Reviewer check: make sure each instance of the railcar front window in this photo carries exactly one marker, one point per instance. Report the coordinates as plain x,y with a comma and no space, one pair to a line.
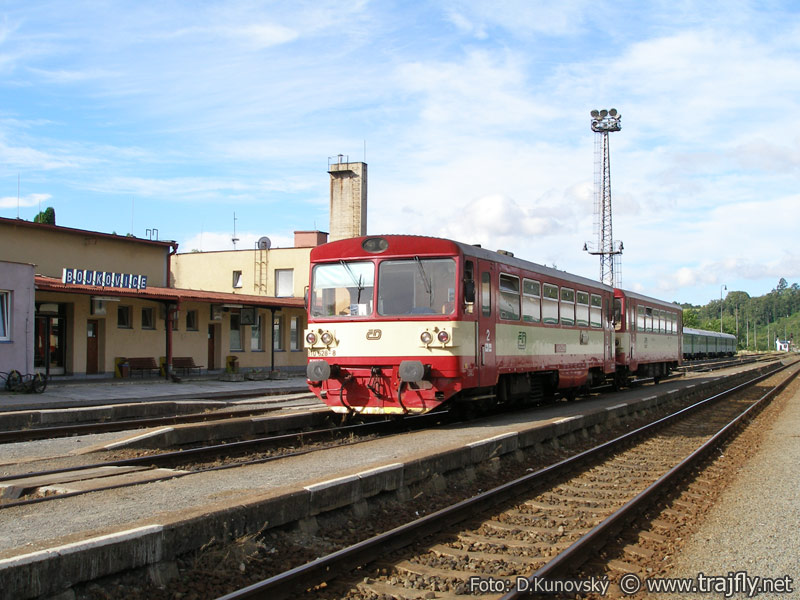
417,286
342,289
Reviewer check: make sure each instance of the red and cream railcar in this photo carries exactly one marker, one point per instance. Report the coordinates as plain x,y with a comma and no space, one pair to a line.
401,324
648,337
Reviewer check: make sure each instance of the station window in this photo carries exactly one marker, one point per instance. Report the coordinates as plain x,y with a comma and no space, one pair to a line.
5,317
531,301
550,304
124,320
284,283
582,309
237,279
295,339
148,320
567,306
236,332
191,320
596,312
277,333
256,336
508,300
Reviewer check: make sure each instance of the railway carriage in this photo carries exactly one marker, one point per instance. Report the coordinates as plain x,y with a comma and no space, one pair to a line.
648,336
402,324
699,343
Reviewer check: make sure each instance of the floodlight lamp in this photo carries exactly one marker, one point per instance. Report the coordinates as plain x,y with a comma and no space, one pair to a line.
595,113
604,113
613,112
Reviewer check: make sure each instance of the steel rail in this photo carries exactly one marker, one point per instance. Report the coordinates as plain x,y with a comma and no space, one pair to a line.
384,428
599,536
320,570
40,433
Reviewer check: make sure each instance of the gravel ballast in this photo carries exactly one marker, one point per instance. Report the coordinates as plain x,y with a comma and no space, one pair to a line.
753,527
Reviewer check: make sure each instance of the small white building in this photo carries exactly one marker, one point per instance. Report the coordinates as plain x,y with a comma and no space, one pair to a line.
781,345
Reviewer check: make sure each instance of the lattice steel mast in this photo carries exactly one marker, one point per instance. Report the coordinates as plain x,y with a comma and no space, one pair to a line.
603,123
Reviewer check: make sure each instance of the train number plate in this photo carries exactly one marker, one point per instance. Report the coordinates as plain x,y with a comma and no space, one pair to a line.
321,352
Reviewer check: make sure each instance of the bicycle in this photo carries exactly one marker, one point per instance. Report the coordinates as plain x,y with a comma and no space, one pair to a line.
28,383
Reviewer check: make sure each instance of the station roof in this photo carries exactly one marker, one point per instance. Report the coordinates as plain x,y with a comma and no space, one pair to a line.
52,284
86,233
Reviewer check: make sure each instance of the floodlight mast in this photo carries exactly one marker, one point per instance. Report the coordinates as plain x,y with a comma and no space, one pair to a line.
603,123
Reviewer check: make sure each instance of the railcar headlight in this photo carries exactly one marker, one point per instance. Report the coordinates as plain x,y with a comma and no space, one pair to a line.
327,338
311,338
426,337
443,337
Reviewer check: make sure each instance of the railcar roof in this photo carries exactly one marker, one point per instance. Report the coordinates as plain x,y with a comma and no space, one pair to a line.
716,334
664,303
411,245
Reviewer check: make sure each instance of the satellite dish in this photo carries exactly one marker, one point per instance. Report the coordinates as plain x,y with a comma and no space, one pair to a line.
264,243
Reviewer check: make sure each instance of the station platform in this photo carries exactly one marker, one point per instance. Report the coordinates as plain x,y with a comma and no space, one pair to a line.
95,392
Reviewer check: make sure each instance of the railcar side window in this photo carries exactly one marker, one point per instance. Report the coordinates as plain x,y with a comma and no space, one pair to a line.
418,286
648,319
567,306
640,325
342,289
508,299
469,287
550,304
486,294
531,294
596,316
582,309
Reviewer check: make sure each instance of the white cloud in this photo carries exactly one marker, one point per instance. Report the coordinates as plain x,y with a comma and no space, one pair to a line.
24,201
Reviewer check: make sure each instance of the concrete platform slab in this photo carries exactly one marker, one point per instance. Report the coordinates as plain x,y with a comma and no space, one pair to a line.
83,485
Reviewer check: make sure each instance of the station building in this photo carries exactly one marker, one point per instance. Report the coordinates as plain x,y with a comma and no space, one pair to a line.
74,302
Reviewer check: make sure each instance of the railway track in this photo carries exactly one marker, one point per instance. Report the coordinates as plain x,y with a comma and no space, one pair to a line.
537,529
150,468
75,429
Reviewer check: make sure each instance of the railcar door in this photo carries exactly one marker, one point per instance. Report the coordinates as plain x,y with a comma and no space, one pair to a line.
486,344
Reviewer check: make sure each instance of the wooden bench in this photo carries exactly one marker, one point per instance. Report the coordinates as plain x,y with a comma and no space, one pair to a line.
186,363
142,364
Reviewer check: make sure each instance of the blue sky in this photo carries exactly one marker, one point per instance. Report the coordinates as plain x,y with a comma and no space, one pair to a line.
473,117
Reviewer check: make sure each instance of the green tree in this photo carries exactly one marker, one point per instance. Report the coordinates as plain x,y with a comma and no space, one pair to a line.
691,318
47,216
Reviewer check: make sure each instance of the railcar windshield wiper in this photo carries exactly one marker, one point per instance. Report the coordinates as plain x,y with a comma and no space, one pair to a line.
358,281
425,281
